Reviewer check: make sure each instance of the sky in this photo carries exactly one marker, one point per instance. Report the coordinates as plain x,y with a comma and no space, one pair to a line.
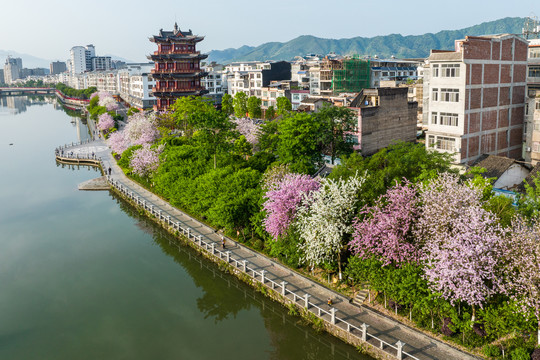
49,29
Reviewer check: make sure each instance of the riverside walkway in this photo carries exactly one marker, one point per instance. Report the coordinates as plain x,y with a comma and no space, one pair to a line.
358,325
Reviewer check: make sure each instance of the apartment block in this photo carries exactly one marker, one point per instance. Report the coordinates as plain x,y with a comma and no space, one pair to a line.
251,77
474,97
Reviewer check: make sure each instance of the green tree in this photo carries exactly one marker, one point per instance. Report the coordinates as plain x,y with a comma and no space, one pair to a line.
529,204
227,104
240,104
336,123
269,137
298,140
254,107
270,113
392,164
283,105
188,111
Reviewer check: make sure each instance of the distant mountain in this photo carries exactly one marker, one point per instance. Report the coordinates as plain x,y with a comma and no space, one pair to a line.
411,46
28,61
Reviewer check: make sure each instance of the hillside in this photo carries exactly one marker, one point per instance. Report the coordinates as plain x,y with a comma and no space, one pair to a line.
411,46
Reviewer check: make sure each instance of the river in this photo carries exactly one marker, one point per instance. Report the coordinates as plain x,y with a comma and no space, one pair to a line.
84,276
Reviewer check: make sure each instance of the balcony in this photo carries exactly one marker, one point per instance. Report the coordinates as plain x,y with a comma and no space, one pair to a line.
180,52
178,89
174,71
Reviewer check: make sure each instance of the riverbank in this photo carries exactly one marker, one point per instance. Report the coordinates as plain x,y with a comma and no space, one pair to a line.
377,335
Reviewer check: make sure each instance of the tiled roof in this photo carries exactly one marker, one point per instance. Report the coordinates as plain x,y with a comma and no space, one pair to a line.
495,165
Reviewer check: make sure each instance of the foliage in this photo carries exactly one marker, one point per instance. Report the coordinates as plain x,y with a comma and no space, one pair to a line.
463,242
270,113
393,164
385,231
283,105
227,104
254,107
282,200
326,220
190,110
529,204
298,139
336,123
132,110
269,137
240,104
75,93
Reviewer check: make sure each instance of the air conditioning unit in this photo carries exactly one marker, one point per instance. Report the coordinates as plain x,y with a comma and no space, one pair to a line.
528,149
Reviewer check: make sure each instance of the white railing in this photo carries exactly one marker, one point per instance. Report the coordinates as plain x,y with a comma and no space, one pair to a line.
209,246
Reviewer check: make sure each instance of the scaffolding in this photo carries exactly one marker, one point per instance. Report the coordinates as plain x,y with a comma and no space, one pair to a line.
351,75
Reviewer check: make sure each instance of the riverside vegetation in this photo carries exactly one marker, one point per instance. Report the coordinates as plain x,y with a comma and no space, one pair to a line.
435,247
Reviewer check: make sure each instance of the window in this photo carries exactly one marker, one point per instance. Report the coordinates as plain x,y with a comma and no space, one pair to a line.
434,118
534,71
449,119
537,106
435,95
431,140
450,70
435,70
385,73
446,143
534,53
536,146
450,95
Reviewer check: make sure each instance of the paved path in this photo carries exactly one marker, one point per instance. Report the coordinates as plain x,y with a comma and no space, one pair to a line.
417,345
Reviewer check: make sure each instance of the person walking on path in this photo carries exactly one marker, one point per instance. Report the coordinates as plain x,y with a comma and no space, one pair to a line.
109,171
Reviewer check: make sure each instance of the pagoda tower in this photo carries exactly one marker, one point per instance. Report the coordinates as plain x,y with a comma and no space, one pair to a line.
177,68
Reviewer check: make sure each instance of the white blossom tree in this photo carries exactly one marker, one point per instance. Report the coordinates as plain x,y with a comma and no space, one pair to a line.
326,220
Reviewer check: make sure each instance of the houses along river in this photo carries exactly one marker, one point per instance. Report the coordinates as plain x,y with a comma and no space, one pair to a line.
84,276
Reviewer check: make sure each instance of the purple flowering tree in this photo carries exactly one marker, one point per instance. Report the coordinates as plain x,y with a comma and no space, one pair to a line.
105,122
247,128
282,200
386,228
145,161
118,142
523,254
141,129
463,244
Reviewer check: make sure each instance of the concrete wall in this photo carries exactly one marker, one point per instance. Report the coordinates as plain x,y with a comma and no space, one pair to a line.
394,119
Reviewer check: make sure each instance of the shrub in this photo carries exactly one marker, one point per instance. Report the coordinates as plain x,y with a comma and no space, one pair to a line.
491,350
520,354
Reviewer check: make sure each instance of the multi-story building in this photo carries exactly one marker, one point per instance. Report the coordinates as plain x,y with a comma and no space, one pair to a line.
335,75
177,68
392,72
12,69
2,80
135,85
89,53
251,77
57,67
531,148
476,97
297,96
385,115
213,82
101,63
78,60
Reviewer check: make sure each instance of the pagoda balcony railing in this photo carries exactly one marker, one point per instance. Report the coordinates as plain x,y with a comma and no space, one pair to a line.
178,89
181,52
173,71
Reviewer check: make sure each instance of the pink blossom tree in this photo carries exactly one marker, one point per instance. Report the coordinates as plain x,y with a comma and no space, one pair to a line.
118,142
247,128
463,244
145,161
141,129
523,271
282,200
385,231
105,122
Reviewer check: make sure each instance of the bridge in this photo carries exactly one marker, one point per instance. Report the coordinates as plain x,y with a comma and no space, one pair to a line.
26,91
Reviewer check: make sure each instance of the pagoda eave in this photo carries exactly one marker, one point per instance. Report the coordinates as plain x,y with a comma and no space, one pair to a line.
161,57
159,39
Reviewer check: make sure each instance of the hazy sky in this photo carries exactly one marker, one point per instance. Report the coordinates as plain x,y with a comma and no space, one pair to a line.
48,29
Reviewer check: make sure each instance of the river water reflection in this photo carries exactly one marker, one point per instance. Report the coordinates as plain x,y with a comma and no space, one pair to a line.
84,276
